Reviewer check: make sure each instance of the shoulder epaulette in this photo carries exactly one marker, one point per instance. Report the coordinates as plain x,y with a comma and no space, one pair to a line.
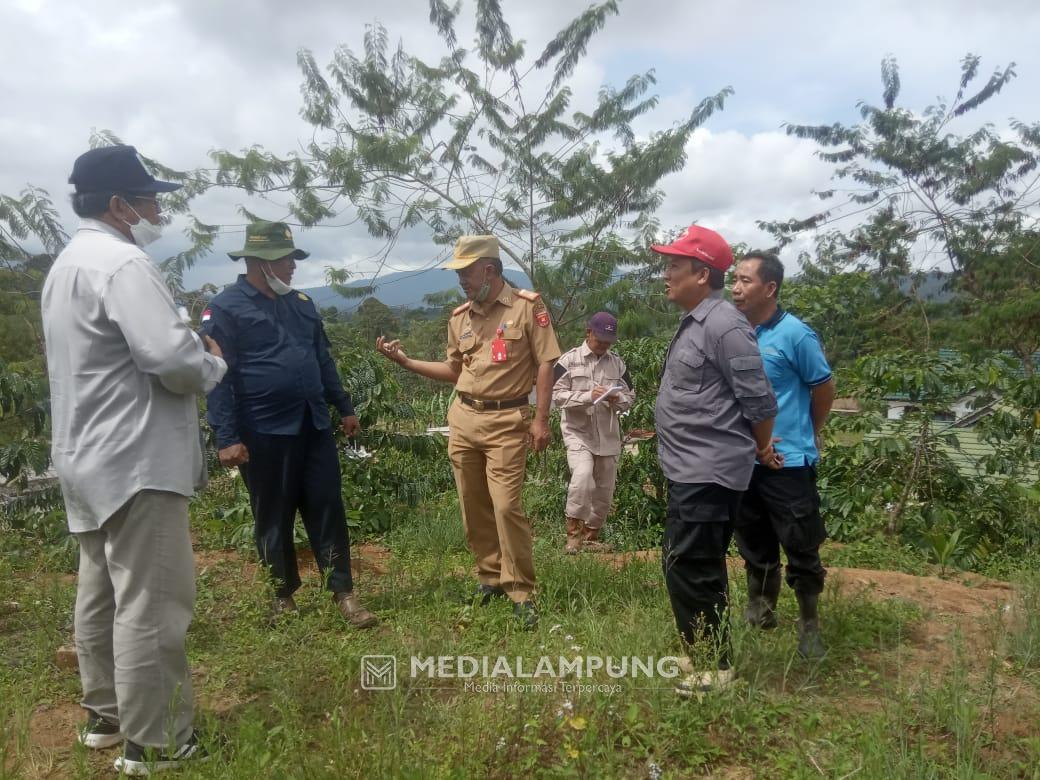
527,295
460,309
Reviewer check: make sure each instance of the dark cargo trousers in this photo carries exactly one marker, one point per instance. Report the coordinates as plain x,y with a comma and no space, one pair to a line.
697,533
781,508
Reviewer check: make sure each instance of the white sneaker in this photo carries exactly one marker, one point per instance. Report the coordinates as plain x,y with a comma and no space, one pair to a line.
702,682
99,733
139,761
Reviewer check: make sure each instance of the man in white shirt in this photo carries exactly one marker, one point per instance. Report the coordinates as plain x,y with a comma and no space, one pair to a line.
592,387
124,370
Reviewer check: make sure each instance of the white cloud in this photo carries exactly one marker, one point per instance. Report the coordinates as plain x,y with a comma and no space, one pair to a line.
732,179
179,78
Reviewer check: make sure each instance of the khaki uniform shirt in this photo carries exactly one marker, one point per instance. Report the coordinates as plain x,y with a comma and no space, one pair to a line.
529,339
585,425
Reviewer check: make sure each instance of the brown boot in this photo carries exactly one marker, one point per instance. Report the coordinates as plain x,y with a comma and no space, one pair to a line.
350,607
574,526
282,605
590,538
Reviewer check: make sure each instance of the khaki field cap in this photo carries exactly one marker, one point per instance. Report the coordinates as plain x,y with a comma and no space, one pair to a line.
469,249
269,241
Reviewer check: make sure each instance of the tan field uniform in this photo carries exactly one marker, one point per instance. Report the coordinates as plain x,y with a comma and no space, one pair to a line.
591,431
488,446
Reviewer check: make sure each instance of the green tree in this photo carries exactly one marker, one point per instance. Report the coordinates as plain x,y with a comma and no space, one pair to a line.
999,302
374,318
482,141
914,193
27,222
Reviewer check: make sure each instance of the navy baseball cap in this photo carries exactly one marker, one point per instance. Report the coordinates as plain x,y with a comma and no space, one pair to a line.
603,326
115,169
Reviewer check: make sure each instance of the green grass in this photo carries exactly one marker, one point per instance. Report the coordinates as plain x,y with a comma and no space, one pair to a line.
286,701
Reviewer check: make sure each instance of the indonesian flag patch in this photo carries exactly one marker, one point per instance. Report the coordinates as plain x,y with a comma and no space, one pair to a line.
206,315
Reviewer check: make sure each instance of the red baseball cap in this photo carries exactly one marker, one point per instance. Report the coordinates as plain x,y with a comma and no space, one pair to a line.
699,243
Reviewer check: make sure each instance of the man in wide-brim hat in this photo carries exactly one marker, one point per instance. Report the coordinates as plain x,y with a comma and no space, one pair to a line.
271,417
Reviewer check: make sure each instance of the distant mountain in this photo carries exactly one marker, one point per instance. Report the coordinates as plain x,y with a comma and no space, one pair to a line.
933,287
404,289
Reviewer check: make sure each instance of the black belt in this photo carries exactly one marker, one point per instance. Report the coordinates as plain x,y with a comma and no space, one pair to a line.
490,406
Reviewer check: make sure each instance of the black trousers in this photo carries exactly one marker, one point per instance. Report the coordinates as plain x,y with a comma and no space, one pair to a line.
782,509
289,473
697,532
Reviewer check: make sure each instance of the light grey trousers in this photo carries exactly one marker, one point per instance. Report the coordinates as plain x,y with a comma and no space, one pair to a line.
134,603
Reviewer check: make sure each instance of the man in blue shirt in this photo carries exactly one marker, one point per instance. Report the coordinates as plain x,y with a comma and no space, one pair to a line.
782,506
271,417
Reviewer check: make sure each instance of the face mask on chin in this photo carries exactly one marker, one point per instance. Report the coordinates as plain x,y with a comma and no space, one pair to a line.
144,232
484,291
276,284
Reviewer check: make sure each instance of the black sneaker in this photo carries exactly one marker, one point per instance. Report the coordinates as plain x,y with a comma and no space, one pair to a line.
526,613
138,761
99,733
482,595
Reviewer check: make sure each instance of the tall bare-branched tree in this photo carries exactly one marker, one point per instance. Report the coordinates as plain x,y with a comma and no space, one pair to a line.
488,140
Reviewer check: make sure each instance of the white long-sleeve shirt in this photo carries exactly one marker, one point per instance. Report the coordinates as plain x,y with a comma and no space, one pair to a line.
124,370
586,425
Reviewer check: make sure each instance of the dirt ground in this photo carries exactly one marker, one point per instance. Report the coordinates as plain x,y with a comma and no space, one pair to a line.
961,611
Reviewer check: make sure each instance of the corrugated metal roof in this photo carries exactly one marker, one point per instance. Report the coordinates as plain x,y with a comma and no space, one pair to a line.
967,456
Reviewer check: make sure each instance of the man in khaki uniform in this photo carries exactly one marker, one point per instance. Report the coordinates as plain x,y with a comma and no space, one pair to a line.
592,387
500,343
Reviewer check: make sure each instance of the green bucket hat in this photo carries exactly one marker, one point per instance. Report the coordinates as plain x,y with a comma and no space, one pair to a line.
269,241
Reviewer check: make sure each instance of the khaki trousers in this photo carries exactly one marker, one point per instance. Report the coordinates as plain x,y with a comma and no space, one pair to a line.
488,453
134,601
591,491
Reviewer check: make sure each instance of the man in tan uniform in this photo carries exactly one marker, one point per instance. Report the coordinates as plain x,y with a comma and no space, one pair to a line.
592,387
500,343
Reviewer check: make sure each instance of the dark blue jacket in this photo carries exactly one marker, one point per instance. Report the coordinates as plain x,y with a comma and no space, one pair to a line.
279,365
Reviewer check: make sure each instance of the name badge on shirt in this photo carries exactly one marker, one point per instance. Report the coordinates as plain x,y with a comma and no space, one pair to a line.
499,352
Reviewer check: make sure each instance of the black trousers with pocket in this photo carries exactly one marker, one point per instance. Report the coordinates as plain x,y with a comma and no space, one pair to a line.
697,533
782,509
289,473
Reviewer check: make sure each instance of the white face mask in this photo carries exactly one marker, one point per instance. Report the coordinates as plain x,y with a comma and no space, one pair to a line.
276,284
144,232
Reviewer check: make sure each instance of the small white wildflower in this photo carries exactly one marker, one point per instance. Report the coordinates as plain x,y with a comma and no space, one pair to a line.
568,706
556,628
501,743
575,647
655,771
568,638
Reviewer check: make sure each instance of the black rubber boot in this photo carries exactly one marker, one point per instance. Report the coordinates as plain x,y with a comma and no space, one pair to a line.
763,591
810,643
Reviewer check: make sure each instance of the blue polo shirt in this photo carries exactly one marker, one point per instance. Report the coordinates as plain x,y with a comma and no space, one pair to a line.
279,366
795,363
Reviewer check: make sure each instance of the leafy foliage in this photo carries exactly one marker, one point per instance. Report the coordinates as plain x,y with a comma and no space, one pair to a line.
903,476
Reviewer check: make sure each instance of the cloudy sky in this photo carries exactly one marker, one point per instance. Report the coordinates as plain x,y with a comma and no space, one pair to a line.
179,78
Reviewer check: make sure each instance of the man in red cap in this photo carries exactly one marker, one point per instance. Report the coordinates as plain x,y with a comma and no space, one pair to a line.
592,388
714,415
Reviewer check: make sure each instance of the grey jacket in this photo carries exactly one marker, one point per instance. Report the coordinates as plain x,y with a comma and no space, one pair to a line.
713,387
